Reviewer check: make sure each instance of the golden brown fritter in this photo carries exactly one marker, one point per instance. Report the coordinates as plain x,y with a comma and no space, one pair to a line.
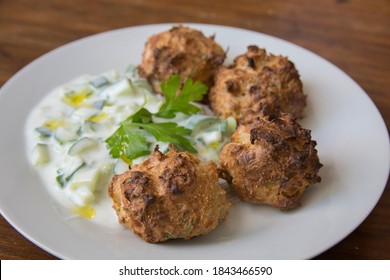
181,50
257,83
271,161
169,196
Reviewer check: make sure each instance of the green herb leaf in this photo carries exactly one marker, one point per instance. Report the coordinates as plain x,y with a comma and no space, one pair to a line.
141,116
128,142
171,133
180,102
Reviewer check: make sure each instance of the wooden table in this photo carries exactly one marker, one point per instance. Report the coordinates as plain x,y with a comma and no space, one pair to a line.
352,34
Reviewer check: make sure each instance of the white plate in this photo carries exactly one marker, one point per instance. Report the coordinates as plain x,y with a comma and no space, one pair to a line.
352,141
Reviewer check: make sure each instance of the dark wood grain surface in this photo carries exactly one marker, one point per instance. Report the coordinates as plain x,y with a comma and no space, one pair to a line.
352,34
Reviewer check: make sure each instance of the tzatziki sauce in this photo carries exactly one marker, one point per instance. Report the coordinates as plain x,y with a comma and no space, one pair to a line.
66,132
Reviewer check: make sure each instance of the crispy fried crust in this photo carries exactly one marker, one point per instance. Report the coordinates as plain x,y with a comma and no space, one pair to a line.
257,83
271,161
169,196
183,51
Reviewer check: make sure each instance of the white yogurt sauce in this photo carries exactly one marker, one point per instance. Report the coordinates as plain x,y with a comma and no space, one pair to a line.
66,133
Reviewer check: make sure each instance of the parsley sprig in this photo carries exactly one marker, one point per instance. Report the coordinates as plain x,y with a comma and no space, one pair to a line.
180,102
130,140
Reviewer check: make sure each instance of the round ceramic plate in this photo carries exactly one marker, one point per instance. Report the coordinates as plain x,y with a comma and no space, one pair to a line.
352,141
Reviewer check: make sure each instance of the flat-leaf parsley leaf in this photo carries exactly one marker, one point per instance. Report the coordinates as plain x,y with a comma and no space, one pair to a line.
180,102
130,140
171,133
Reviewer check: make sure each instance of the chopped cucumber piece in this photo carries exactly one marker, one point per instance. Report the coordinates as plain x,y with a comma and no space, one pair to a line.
142,84
131,70
223,126
99,82
201,123
67,133
121,87
231,125
87,182
81,193
90,127
196,120
119,113
40,154
112,76
82,145
85,177
99,104
152,102
44,131
210,137
65,175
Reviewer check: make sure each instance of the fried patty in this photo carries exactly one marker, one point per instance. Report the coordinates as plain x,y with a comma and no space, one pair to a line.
181,50
257,83
169,196
271,161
